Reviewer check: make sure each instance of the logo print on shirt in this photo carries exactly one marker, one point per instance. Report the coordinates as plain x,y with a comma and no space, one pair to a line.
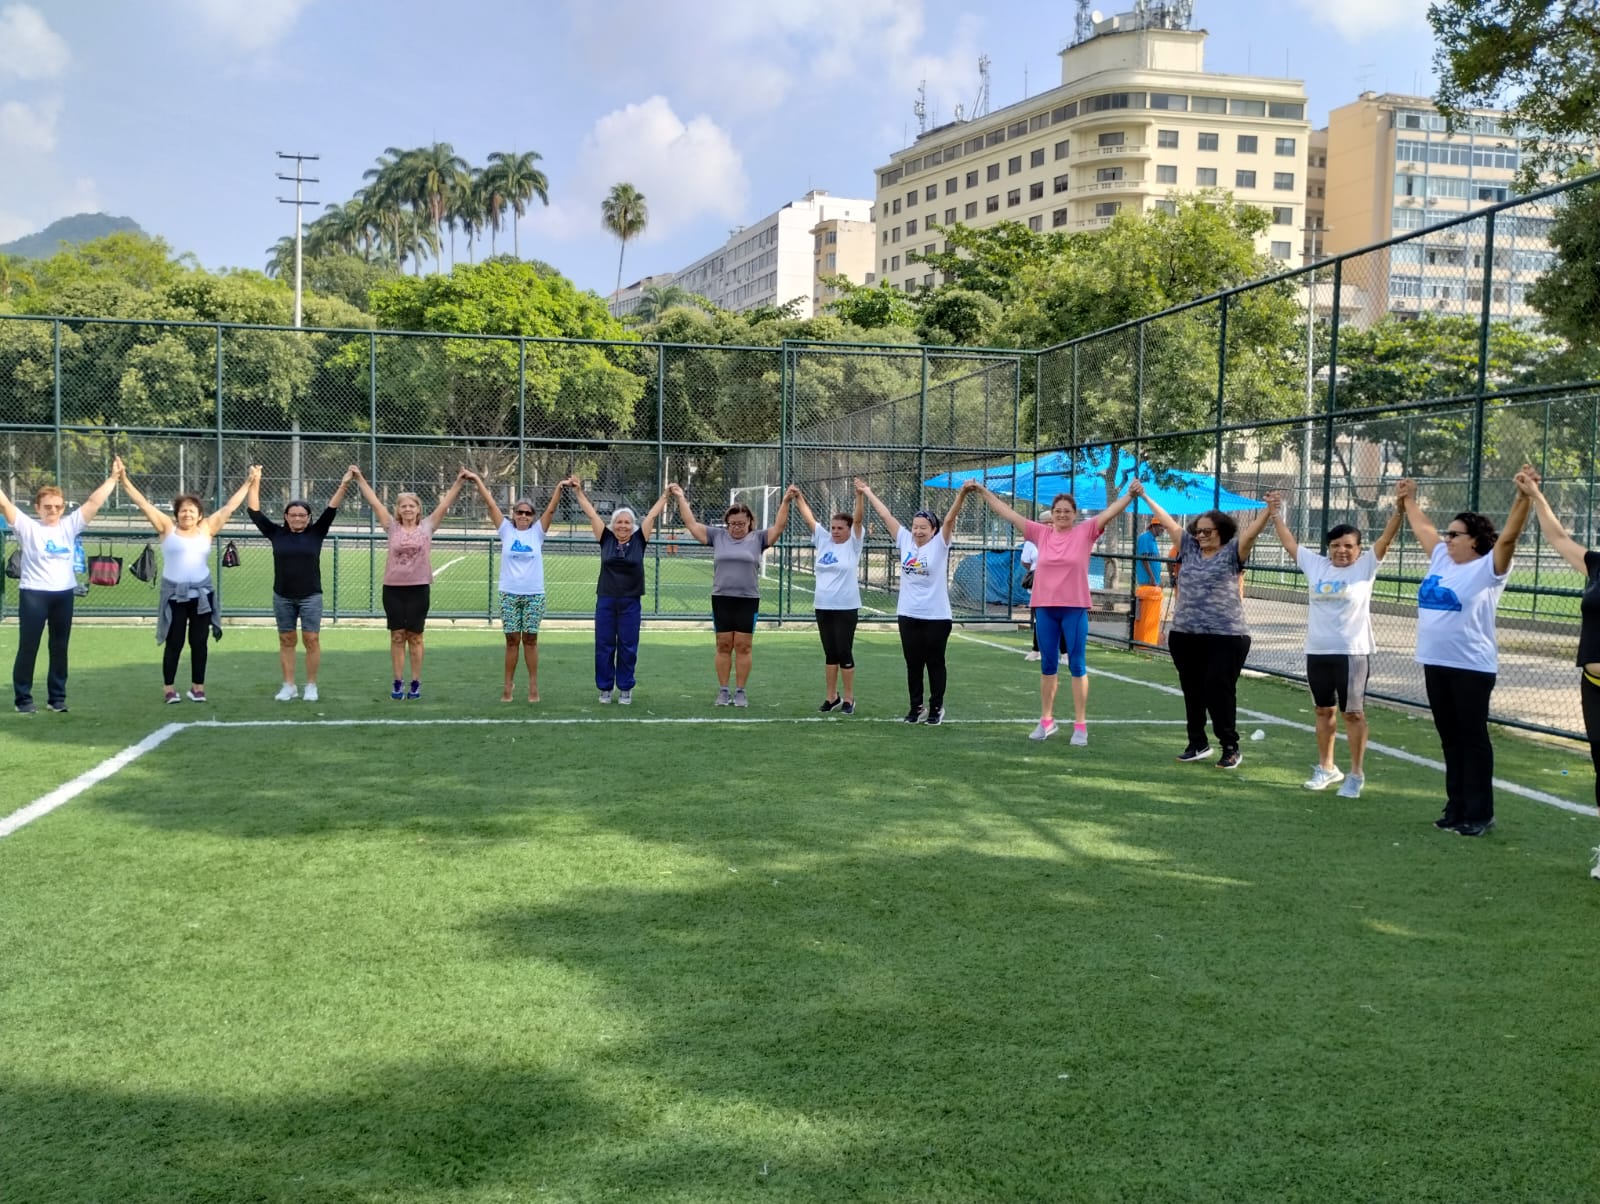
911,564
1330,591
53,548
1433,596
828,558
518,546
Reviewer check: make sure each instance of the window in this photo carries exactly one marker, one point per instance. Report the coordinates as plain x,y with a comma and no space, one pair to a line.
1036,191
1283,181
894,264
927,281
931,192
1205,177
1013,198
1063,148
1207,142
1016,129
832,236
993,173
1280,250
1169,100
885,238
1014,165
949,217
1106,175
1283,146
972,145
1065,113
911,226
1244,179
1038,121
972,179
832,260
896,204
1114,100
1167,139
1170,208
1059,184
1058,218
1036,158
1036,223
1287,112
1208,104
1167,174
885,265
929,249
929,223
951,185
1247,144
971,210
911,198
894,235
991,204
1107,208
1248,108
1114,139
994,138
1282,215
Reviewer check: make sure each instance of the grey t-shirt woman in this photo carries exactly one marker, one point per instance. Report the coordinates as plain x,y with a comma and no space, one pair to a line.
1208,591
736,563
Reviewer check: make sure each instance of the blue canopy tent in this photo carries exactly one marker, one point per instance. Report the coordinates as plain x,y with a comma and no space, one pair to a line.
1084,477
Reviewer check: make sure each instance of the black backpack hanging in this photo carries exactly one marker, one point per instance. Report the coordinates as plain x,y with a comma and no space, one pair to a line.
144,568
230,556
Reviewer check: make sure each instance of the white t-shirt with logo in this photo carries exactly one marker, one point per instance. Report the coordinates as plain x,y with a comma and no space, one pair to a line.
924,586
47,551
521,558
1339,615
1455,612
837,585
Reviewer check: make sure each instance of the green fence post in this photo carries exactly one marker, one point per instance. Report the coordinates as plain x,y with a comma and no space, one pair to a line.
1222,389
372,450
522,414
1475,479
55,376
1332,403
221,495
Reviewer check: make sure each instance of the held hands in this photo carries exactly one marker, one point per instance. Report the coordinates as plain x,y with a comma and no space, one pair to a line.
119,470
791,493
676,490
1275,504
1528,481
971,486
862,487
1405,490
354,473
254,476
1136,488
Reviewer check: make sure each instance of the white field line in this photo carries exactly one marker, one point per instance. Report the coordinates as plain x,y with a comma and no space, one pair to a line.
577,721
64,794
447,564
1399,754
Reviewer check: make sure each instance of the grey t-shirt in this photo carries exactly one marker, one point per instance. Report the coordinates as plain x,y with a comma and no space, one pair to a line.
736,563
1208,591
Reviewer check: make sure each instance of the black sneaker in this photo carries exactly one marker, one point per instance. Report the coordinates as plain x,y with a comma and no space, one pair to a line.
1230,759
1195,754
847,707
829,704
935,716
1477,828
398,692
415,692
26,708
1446,822
60,708
914,715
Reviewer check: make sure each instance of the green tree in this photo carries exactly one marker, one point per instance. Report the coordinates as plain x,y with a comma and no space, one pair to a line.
990,260
656,299
1568,295
870,308
625,214
515,178
960,317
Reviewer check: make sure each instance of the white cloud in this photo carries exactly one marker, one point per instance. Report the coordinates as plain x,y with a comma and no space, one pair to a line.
687,170
29,127
29,48
13,226
1361,20
247,26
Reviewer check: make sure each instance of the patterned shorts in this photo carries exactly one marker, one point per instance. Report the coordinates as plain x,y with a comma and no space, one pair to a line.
521,613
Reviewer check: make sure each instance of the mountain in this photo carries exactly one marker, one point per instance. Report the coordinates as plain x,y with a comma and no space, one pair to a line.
79,228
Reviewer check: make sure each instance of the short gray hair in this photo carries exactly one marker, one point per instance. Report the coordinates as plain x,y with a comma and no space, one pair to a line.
620,510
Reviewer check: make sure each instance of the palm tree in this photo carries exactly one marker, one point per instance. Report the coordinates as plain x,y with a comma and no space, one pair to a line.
656,299
624,213
280,257
518,181
493,200
466,211
433,174
385,195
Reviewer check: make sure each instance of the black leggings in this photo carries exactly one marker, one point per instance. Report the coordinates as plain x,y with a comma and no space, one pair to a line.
923,642
1208,670
187,624
1459,699
838,631
1589,693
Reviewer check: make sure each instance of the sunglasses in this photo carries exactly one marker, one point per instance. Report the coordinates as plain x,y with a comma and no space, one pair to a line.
1454,534
523,513
1205,530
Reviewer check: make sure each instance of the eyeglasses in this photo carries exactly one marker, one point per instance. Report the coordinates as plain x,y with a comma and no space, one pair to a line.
523,513
1205,530
1454,534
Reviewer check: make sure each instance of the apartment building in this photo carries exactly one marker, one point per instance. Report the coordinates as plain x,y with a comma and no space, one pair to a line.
626,299
841,247
1135,119
1393,167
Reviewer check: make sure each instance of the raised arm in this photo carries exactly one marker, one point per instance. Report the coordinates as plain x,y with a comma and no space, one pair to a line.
496,515
337,499
379,510
587,506
647,525
252,496
1103,519
858,520
780,520
91,507
1427,534
448,500
1173,527
1506,546
549,515
1003,510
218,519
806,516
1391,528
948,527
889,520
1252,532
691,524
161,522
1549,525
1285,536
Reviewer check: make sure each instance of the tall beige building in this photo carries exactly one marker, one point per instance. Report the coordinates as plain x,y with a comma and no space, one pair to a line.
1394,168
1136,119
840,247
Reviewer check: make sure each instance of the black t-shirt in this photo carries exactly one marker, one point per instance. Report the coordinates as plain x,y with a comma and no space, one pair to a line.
296,556
621,566
1589,610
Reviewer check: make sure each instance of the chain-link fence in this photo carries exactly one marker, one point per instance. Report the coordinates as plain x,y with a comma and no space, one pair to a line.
1434,355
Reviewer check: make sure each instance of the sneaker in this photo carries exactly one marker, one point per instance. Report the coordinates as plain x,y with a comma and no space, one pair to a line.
1594,871
914,715
1080,735
625,698
311,692
196,694
1446,822
935,716
169,695
26,708
1475,828
415,693
398,691
1195,754
1230,759
1043,730
1032,656
724,699
847,707
287,692
60,708
605,697
1352,786
828,704
739,700
1321,778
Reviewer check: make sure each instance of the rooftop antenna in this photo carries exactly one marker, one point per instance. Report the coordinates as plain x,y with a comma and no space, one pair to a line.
1083,23
980,107
920,108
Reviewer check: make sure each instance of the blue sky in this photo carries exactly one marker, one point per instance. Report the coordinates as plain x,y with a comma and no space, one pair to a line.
171,111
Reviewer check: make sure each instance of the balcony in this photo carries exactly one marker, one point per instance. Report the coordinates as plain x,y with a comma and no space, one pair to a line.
1125,185
1092,223
1128,150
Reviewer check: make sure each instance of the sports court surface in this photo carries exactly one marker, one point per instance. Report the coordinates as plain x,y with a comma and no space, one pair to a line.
461,950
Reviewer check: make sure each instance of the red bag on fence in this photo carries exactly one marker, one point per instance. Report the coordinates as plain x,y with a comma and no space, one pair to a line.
105,570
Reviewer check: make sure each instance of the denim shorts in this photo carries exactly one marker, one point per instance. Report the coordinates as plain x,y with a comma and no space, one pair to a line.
306,611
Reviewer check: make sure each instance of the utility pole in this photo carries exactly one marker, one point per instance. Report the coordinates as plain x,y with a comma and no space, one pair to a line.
300,180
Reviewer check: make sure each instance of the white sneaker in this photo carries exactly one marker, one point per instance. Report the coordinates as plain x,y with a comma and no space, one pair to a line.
1352,786
1321,778
1043,731
287,692
1032,656
605,696
1080,736
311,692
1595,872
625,698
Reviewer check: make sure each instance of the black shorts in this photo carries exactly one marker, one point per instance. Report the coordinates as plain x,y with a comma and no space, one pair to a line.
1338,681
838,631
406,606
734,614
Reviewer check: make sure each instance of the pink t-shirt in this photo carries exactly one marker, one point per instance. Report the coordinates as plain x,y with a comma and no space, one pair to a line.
1061,574
410,554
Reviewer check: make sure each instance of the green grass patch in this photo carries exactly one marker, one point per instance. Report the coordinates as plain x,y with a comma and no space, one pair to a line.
712,960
